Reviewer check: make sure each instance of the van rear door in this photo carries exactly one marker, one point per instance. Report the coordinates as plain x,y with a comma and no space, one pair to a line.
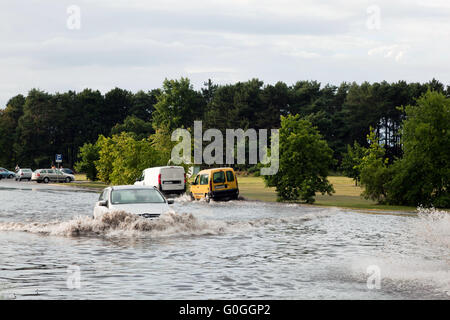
218,180
172,179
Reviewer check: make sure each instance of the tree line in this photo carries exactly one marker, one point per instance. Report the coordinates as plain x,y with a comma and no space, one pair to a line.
36,127
376,133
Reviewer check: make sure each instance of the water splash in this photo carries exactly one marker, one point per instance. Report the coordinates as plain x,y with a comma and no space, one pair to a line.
433,227
124,224
422,264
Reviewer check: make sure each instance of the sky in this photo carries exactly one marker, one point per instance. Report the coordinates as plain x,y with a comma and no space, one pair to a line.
59,45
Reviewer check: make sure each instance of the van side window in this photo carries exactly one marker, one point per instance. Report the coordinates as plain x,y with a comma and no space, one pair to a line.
219,177
196,179
204,179
230,176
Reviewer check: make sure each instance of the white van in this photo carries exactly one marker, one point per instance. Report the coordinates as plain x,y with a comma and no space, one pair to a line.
169,179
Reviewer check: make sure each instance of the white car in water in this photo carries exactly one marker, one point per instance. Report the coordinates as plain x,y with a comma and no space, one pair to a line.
144,201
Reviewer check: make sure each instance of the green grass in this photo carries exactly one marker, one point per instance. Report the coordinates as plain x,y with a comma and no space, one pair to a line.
347,194
253,188
82,182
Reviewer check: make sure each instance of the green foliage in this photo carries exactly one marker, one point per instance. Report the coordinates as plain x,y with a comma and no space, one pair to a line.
374,171
351,161
135,126
178,105
37,131
9,118
122,158
104,164
89,153
422,176
305,159
36,127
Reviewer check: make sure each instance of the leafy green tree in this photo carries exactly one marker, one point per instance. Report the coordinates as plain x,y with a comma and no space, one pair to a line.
37,130
178,105
122,158
9,118
89,153
135,126
351,161
209,90
86,117
219,113
104,164
422,176
374,170
305,159
143,104
131,157
118,103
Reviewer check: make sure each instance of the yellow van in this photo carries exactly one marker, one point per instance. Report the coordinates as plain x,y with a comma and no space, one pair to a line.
218,183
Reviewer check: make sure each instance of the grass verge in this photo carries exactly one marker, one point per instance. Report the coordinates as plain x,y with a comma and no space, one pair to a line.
347,194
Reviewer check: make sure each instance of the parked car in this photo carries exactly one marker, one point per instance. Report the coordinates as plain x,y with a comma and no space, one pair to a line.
219,183
144,201
66,170
6,174
168,179
51,175
24,174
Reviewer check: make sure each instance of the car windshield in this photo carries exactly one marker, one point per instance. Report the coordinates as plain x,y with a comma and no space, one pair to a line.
127,196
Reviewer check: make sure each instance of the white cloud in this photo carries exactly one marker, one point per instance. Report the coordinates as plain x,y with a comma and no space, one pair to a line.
395,52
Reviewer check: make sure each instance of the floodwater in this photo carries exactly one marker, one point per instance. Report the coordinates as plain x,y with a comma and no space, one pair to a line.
51,248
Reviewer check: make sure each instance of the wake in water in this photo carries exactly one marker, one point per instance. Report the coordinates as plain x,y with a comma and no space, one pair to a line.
120,223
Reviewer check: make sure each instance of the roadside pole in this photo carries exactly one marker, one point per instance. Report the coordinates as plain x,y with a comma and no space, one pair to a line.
58,159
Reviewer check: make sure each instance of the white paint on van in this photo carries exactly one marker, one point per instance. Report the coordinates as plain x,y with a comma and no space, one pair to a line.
172,178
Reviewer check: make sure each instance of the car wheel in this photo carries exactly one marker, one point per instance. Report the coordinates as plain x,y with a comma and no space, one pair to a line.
10,176
208,198
46,180
68,180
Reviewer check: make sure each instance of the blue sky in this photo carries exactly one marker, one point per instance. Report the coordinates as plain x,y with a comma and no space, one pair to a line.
137,44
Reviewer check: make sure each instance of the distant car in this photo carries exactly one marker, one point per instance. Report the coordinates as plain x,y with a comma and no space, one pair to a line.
5,173
51,175
24,174
144,201
68,171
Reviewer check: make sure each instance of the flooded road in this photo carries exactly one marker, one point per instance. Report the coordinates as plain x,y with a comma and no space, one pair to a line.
51,248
